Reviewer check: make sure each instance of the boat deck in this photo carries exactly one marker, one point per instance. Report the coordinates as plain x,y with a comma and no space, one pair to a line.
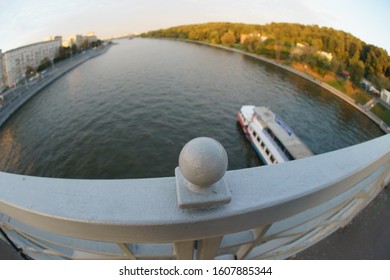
285,134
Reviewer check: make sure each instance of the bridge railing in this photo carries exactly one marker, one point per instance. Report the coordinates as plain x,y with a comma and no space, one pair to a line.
270,212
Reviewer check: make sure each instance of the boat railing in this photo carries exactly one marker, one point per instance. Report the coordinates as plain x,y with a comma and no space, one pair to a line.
270,212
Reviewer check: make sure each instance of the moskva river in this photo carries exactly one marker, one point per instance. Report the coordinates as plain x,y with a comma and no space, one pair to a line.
128,113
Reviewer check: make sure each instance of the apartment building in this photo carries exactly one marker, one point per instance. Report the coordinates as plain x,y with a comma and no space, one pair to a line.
74,39
15,62
79,39
385,96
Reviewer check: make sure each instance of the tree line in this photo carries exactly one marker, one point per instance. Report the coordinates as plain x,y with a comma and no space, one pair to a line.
281,40
62,53
67,52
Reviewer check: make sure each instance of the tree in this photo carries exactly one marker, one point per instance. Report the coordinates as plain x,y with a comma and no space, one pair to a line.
228,38
84,44
30,71
45,63
278,49
60,55
193,35
214,37
381,82
317,43
344,46
356,71
95,44
74,49
322,64
352,49
337,67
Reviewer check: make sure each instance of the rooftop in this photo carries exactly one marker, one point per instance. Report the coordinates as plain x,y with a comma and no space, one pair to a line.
33,44
285,134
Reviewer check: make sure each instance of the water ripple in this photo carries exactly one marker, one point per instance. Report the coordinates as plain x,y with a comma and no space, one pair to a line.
128,113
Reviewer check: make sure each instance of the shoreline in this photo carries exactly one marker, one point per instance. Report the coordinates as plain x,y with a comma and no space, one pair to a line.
381,124
19,96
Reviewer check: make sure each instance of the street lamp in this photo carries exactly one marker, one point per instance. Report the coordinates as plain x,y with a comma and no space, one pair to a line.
25,80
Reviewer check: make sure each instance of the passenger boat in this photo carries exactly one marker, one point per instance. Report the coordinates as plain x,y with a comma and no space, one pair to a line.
272,139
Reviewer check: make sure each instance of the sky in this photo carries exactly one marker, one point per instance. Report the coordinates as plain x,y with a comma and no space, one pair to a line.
24,22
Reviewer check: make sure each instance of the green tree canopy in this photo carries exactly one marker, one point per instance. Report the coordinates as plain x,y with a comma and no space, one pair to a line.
228,38
279,40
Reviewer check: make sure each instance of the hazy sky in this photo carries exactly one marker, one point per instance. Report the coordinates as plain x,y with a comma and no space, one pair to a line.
28,21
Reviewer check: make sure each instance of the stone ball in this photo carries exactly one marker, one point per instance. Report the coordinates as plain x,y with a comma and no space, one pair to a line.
203,161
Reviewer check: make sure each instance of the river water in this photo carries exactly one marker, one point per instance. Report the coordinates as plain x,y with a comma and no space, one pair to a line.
128,113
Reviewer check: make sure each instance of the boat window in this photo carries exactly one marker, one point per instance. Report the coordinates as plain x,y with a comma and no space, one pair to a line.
272,159
262,144
254,133
258,139
267,151
281,146
270,132
289,156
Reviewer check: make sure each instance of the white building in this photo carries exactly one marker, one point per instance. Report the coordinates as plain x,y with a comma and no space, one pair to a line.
326,55
74,39
299,49
385,96
254,36
16,61
79,39
91,37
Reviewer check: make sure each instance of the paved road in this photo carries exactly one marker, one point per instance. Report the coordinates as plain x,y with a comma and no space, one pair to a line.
14,98
7,252
370,104
367,237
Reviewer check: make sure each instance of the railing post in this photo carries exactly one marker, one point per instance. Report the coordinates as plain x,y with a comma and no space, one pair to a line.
184,250
199,178
208,248
259,234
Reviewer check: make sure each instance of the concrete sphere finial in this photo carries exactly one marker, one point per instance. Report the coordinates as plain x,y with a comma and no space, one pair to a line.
203,161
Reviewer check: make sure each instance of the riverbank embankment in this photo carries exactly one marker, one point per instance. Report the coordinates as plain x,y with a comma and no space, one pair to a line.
15,98
363,109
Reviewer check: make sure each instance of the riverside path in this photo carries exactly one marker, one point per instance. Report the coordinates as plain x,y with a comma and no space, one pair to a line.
15,97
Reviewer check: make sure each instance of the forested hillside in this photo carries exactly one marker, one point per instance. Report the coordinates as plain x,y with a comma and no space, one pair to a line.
295,42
